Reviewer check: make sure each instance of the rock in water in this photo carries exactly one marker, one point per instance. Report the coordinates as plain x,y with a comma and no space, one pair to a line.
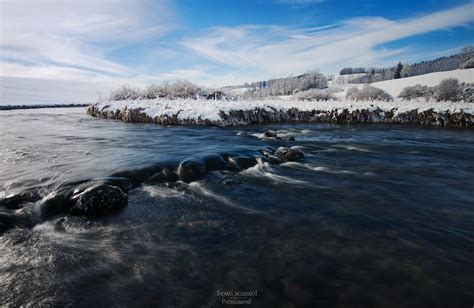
165,176
214,163
98,199
17,201
289,154
293,155
190,171
242,162
270,134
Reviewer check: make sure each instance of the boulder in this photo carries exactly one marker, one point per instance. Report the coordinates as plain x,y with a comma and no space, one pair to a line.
214,163
165,176
294,155
190,171
17,201
98,199
289,154
270,134
242,162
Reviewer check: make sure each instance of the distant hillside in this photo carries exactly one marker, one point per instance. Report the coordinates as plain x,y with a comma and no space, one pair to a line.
395,86
280,86
464,59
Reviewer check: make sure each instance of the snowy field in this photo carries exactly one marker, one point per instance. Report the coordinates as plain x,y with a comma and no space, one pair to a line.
395,86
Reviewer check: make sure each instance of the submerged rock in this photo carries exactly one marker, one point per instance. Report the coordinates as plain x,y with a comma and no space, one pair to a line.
190,171
98,199
289,154
242,162
16,201
270,134
137,176
214,163
165,176
294,155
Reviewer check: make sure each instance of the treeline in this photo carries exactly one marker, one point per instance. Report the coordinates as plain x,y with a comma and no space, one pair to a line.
185,89
170,90
286,86
463,60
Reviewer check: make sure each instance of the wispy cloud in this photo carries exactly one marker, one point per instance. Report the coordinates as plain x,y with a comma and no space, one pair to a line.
75,35
276,51
59,50
100,44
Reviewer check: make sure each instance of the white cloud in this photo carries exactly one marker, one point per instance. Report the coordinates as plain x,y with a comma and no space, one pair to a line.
276,51
70,41
76,34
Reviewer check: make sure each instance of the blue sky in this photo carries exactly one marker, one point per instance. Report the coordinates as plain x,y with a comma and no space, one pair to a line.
65,50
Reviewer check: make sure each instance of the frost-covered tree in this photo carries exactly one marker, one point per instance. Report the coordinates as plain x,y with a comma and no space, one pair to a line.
448,90
125,92
405,71
317,95
416,91
287,86
467,56
368,93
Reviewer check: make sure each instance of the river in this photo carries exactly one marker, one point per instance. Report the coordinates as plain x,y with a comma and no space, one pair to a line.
373,216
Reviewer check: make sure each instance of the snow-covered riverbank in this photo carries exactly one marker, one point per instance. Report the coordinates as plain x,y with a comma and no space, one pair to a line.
228,113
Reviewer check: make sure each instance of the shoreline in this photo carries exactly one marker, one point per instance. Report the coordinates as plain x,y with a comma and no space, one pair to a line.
17,107
238,113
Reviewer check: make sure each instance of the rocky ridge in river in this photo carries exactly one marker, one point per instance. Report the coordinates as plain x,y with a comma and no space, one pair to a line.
98,197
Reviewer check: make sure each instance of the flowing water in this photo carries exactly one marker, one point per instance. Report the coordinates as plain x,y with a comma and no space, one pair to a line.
373,216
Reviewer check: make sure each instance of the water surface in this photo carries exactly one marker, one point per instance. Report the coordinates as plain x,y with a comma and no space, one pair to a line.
373,216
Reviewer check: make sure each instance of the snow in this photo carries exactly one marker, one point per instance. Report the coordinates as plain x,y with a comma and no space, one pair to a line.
239,91
395,86
186,109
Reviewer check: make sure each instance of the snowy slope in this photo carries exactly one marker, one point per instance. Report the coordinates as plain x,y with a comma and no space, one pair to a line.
395,86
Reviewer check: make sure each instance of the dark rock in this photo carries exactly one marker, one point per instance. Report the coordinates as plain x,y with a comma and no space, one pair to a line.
98,199
16,202
59,201
6,222
190,171
289,154
214,163
123,183
294,155
290,138
165,176
270,134
12,220
276,160
242,162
